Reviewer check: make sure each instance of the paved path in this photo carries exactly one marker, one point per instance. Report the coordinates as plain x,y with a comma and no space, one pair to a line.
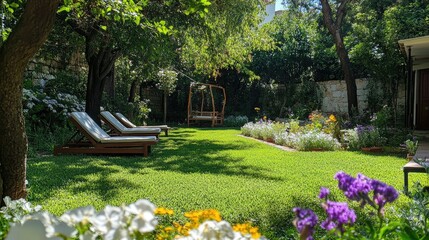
423,149
422,154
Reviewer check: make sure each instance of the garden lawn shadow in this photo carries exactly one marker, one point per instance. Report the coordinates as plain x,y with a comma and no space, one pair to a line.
211,168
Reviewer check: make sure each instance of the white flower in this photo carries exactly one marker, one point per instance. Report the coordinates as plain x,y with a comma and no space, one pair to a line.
108,220
212,230
78,215
31,229
144,218
118,234
88,236
53,225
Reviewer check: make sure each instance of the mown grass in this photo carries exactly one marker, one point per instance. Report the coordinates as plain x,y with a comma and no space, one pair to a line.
208,168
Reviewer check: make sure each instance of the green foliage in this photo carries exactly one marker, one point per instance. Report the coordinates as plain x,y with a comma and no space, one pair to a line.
230,34
142,110
167,80
235,121
411,146
42,140
9,12
415,216
383,118
67,81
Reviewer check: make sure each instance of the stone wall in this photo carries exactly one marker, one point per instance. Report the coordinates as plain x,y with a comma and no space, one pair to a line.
40,70
334,94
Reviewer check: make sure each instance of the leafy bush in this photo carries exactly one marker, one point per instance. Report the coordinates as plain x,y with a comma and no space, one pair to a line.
383,118
41,110
235,121
411,146
416,213
369,136
351,139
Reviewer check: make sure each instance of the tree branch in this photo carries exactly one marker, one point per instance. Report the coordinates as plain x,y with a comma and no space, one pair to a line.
327,16
341,12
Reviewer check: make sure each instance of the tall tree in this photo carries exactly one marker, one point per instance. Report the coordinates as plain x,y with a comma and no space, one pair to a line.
21,45
106,27
334,27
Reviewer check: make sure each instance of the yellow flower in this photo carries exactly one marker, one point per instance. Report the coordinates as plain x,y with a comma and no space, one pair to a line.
254,231
246,228
168,229
257,109
265,118
332,118
203,215
164,211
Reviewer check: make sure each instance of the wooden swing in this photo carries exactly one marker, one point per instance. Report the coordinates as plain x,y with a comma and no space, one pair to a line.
216,117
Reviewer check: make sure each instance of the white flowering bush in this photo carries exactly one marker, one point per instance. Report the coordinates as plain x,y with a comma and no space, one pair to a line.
263,129
291,135
139,220
167,80
317,140
43,110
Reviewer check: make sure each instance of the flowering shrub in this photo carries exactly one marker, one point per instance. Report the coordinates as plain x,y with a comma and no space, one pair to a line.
341,218
308,141
263,129
317,135
369,136
43,110
167,80
319,122
235,121
139,220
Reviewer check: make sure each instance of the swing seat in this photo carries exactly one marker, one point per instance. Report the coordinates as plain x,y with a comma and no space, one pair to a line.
215,117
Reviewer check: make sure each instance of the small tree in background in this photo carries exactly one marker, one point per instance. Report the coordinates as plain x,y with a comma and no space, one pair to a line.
167,81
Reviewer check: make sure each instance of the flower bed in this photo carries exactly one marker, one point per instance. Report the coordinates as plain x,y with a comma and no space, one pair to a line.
317,135
139,220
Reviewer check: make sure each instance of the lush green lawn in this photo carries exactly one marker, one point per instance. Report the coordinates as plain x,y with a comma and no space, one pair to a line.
208,168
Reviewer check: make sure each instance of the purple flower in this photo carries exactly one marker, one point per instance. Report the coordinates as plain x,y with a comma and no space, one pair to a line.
339,215
383,193
324,192
305,221
355,189
360,129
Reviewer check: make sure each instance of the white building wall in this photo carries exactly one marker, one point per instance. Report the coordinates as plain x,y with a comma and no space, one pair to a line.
334,93
270,9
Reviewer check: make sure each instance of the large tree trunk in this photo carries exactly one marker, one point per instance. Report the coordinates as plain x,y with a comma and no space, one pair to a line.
334,29
348,73
23,43
133,90
101,65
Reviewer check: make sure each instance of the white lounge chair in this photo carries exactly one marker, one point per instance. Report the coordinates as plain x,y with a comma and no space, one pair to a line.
129,124
120,129
99,142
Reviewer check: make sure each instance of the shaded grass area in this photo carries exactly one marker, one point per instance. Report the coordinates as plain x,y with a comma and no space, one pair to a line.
208,168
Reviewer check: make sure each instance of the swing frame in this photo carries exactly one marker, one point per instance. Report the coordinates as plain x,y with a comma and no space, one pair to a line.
214,116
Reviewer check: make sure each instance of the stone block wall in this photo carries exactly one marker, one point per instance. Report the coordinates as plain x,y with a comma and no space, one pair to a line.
40,70
334,94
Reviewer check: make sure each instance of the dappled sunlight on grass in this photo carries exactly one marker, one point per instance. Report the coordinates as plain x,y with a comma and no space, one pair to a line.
208,168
